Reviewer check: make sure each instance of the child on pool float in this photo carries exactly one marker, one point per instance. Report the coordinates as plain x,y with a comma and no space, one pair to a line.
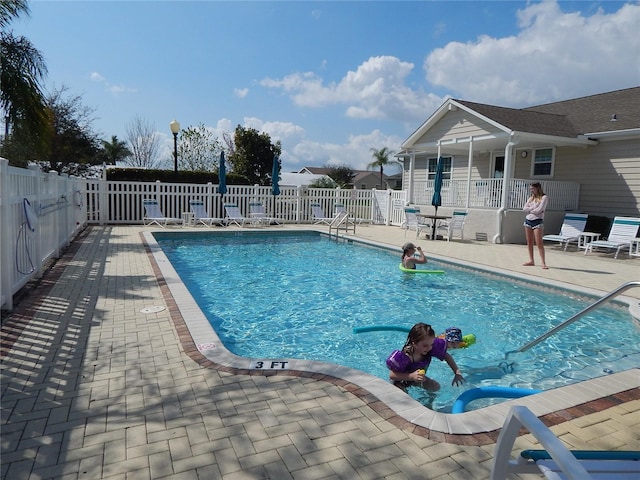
408,366
455,339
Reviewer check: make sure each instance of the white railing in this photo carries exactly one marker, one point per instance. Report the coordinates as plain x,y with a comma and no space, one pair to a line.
39,215
563,196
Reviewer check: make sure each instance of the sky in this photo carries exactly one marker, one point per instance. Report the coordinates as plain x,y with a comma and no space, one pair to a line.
330,80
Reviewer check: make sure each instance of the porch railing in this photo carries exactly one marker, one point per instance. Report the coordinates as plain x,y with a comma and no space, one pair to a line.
487,193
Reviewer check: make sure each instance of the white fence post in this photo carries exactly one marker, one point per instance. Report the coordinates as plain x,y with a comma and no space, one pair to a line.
6,218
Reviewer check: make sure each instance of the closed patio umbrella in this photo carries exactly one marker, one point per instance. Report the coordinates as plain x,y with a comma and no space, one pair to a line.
436,200
275,176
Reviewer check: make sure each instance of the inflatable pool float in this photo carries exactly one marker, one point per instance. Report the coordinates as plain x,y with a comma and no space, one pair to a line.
415,270
489,392
468,339
381,328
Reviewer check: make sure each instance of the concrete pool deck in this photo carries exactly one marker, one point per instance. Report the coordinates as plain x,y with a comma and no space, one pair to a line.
99,383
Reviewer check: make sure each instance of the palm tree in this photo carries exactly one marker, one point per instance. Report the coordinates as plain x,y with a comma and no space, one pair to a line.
382,159
114,151
22,69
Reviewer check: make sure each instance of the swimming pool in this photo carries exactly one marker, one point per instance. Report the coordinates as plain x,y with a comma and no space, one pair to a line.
270,294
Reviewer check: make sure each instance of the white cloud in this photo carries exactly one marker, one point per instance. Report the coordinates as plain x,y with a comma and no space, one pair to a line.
375,90
240,92
115,89
555,56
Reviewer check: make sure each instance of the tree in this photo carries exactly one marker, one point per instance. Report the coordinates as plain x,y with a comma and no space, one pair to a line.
114,151
253,157
198,149
381,159
67,140
342,175
143,142
323,182
22,69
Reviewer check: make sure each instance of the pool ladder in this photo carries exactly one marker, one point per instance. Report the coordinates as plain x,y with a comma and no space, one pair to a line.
341,219
596,304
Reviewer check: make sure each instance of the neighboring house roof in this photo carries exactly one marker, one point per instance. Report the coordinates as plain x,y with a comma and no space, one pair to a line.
359,175
291,179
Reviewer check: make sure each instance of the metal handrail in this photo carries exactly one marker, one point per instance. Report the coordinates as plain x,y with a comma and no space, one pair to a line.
578,315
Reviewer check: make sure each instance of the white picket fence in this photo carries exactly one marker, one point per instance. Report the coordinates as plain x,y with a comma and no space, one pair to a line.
40,213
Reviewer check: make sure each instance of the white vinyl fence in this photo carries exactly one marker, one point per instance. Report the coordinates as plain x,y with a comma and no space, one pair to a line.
40,213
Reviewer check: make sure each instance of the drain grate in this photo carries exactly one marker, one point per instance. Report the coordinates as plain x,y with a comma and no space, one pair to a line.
154,309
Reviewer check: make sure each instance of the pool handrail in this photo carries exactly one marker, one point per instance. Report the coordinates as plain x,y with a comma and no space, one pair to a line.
557,328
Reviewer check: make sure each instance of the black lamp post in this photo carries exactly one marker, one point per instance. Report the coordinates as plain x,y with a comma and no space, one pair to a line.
175,128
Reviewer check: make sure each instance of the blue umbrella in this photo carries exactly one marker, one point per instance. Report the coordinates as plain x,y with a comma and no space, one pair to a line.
275,177
222,175
436,200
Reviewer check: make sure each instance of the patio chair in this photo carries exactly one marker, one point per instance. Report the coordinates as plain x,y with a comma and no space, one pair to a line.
349,218
456,223
259,215
153,214
233,215
623,232
413,222
572,226
319,218
200,214
556,461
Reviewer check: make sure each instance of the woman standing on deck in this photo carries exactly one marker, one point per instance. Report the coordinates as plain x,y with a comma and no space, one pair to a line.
534,222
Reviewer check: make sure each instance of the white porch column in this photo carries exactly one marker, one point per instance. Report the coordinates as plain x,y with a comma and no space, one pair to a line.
412,168
466,206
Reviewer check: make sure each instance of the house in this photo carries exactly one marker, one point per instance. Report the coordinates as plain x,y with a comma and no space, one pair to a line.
299,179
585,152
363,179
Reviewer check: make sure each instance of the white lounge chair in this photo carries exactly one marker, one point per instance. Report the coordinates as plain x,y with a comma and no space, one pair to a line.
456,223
556,461
623,231
153,214
259,215
200,214
233,215
319,218
348,217
572,226
413,222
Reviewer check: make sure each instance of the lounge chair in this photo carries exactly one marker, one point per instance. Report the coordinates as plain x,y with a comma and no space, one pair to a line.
623,231
413,222
319,218
572,226
456,223
348,217
233,215
200,214
153,214
259,215
556,461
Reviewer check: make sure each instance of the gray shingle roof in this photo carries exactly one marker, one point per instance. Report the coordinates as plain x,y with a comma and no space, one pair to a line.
570,118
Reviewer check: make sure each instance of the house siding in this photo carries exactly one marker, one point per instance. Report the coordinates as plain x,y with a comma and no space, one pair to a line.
458,124
608,174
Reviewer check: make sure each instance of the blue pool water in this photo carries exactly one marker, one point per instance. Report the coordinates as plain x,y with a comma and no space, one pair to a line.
299,295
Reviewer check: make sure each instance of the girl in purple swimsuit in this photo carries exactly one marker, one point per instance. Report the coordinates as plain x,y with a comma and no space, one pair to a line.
408,366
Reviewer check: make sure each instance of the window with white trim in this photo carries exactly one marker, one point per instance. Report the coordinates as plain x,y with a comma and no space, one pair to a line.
542,162
432,165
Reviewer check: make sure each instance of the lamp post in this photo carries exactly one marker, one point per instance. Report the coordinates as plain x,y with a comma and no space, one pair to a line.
175,128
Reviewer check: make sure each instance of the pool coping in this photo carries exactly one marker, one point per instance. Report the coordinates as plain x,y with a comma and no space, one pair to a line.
476,427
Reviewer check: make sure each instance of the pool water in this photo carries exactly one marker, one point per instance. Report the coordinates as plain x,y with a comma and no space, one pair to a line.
299,295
